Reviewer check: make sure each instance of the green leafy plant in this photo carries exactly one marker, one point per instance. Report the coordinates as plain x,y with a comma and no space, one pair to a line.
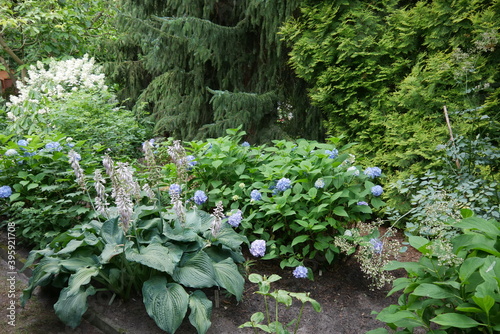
169,254
456,294
280,297
45,199
296,195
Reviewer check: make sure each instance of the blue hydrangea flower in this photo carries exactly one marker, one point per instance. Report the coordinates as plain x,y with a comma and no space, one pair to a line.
283,184
22,143
362,203
53,146
377,244
320,183
377,190
200,197
10,152
245,144
235,219
255,195
332,154
191,161
174,189
373,172
300,272
258,248
5,191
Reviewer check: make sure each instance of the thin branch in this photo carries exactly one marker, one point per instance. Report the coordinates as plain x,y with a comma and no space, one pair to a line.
451,132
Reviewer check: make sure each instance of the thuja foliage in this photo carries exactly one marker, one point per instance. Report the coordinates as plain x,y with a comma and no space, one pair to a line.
201,67
383,71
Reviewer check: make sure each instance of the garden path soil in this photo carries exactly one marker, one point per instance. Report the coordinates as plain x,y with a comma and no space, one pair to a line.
341,290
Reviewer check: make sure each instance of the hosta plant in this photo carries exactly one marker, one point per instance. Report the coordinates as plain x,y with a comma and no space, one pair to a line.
170,254
457,292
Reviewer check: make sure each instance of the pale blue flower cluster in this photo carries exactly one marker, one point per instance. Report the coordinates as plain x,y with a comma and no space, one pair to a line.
53,146
320,183
200,197
332,154
10,152
5,191
300,272
377,190
377,245
191,161
373,172
245,144
22,143
235,219
174,190
362,203
283,184
258,248
255,195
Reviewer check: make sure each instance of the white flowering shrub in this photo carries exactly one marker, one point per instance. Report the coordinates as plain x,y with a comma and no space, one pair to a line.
71,97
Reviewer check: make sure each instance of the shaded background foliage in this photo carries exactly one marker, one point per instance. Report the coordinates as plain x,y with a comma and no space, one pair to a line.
201,67
382,72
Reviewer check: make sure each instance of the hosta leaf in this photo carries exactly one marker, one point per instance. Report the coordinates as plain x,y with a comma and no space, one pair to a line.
228,237
228,277
112,232
196,272
109,251
166,303
81,277
42,274
71,308
201,311
156,256
75,263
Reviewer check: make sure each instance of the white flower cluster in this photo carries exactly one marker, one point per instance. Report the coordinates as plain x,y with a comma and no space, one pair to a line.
60,79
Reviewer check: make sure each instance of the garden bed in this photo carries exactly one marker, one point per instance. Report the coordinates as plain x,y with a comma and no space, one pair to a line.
341,290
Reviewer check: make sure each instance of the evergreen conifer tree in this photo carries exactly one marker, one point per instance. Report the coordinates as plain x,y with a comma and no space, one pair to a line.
198,68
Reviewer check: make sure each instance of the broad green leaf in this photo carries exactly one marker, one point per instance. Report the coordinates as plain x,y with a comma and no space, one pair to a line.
419,243
109,251
340,211
156,256
80,278
166,303
71,308
216,163
112,232
71,246
299,239
312,192
476,223
228,277
468,267
304,298
282,296
455,320
484,302
201,311
41,275
197,272
255,278
73,264
432,291
227,236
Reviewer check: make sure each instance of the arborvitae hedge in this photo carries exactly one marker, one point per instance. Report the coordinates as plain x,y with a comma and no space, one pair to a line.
382,71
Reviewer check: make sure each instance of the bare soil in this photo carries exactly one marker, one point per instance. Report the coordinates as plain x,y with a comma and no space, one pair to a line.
341,289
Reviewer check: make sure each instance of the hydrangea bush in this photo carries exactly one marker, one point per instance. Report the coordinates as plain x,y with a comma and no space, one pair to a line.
36,180
294,195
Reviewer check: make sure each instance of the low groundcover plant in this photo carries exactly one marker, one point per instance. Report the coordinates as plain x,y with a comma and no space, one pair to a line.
461,295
